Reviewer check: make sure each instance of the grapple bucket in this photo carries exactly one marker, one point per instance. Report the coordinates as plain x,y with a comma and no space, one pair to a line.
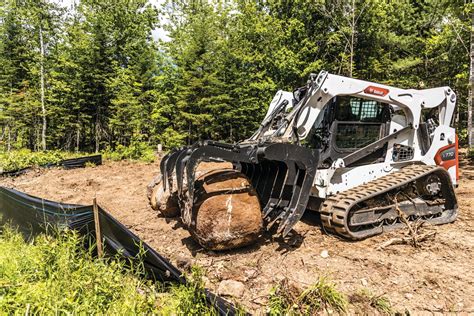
281,173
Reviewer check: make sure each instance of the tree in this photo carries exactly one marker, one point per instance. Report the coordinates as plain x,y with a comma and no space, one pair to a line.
471,88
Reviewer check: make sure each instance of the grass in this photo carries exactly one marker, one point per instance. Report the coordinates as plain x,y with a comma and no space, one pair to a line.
365,298
58,276
321,296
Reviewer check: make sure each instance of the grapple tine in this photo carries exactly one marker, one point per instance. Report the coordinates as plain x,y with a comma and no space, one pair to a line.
251,172
276,190
180,163
263,179
295,196
301,165
299,200
164,175
167,165
269,208
287,189
267,185
274,220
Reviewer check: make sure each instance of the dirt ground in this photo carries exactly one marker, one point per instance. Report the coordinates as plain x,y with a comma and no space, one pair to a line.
436,278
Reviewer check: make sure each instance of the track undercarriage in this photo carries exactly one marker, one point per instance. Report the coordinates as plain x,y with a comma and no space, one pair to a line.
416,192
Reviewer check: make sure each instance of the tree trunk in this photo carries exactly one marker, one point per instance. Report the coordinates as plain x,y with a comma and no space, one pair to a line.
78,137
352,38
97,139
9,139
470,101
43,109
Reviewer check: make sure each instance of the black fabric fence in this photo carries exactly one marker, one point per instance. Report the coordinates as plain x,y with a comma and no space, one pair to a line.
33,216
66,163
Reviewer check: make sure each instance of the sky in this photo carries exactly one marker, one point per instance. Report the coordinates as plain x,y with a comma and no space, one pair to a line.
157,33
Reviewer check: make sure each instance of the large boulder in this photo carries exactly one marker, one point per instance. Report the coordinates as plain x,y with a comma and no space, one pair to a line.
226,212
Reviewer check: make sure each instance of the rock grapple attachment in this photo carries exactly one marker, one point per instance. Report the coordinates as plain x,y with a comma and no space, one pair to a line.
282,175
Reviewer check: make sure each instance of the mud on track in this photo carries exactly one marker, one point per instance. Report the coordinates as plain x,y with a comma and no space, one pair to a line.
436,278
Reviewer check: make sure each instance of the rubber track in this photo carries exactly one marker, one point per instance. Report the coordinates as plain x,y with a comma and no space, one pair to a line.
335,209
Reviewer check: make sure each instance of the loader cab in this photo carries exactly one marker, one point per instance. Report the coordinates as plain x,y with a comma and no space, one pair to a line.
347,124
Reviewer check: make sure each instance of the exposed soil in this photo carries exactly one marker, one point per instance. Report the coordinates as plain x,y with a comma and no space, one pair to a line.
437,277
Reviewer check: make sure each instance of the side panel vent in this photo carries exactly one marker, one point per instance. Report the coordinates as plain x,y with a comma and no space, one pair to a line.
402,152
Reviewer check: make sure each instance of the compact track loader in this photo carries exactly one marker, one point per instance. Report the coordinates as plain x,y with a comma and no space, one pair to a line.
361,154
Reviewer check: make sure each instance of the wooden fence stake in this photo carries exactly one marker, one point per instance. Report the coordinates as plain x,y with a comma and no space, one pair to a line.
98,235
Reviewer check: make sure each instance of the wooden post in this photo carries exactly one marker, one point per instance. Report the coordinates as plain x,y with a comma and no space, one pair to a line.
98,235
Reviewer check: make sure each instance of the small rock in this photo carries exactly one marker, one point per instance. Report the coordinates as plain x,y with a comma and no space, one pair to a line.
408,296
364,281
438,307
250,274
183,263
231,288
324,253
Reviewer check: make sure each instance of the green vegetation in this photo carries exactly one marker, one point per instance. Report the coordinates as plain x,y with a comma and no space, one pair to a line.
364,298
108,83
23,158
320,296
18,159
136,151
382,304
57,275
52,275
470,154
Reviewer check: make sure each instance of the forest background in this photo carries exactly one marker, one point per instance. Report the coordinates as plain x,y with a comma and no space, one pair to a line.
89,76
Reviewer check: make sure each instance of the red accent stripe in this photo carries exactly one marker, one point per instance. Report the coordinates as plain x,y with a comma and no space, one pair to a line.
449,163
376,91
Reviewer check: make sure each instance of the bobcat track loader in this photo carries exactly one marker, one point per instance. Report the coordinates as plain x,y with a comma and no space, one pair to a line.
361,154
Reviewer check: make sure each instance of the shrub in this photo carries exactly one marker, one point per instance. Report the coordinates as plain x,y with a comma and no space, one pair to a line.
364,299
136,151
24,158
322,295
